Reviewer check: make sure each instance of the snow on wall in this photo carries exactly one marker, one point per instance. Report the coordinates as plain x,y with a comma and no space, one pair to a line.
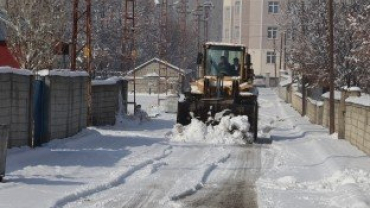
363,100
337,95
5,70
62,72
109,81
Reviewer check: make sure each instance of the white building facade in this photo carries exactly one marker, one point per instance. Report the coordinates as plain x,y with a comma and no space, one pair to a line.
254,23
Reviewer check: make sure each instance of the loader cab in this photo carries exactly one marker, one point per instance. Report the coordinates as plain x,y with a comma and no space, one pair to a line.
225,60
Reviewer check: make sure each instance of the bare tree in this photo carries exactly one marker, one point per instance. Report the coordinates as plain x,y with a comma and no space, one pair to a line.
34,29
306,24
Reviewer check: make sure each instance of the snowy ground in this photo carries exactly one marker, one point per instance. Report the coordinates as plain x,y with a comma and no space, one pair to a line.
138,165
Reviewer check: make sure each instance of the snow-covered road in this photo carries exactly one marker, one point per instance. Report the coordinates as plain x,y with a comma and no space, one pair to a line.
137,165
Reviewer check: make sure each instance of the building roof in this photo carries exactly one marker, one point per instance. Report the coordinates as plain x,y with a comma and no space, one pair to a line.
6,58
157,60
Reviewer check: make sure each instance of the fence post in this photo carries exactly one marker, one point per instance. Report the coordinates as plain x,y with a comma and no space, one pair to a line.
304,96
341,115
4,136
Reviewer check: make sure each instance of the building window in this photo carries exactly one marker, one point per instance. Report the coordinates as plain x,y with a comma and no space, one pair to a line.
237,32
237,8
271,57
227,12
273,7
272,32
226,35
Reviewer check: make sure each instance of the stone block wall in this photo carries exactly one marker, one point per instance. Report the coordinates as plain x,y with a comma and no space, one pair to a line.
315,111
105,103
326,114
357,126
15,107
283,93
297,102
67,105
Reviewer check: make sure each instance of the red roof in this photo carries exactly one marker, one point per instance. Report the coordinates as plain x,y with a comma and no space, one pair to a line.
6,58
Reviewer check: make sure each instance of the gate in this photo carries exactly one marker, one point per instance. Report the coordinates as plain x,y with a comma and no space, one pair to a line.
39,113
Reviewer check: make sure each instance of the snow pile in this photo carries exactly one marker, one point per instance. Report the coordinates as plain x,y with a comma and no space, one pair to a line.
230,130
332,183
154,111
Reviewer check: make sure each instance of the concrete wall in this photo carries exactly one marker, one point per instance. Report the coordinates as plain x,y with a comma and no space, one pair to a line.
105,99
15,107
357,126
67,105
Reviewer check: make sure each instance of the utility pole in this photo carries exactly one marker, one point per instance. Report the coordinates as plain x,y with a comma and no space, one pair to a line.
128,39
182,41
281,50
285,57
275,57
85,47
84,33
163,8
331,63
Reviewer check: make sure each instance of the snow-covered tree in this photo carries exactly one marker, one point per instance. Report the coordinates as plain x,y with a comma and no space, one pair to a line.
306,25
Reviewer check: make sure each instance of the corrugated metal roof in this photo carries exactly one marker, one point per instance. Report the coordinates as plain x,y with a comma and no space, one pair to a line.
6,58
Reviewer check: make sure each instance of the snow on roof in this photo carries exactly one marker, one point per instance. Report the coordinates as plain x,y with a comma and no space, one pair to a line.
110,81
7,69
225,44
363,100
337,95
159,61
62,72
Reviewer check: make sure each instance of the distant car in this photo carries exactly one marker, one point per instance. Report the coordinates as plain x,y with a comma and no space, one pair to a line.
259,81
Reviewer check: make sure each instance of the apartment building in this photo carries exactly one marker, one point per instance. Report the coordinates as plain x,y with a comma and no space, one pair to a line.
254,24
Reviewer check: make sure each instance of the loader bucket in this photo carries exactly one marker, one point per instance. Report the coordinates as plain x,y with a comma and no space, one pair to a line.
201,109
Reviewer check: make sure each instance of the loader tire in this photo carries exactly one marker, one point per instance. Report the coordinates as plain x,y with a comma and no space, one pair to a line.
183,113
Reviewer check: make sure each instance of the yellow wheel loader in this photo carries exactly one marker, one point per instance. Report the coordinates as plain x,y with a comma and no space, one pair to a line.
224,87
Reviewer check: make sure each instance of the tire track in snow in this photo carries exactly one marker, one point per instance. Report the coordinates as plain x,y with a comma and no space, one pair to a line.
203,180
119,180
